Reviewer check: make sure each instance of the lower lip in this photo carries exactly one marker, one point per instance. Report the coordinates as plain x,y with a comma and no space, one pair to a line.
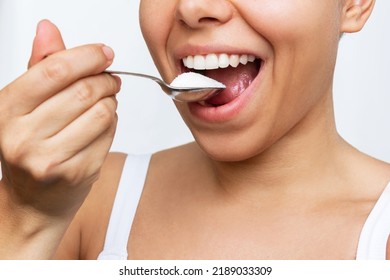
228,111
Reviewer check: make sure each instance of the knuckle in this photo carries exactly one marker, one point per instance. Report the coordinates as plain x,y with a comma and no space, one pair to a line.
7,109
42,167
57,70
30,159
37,169
42,170
12,154
80,176
84,92
111,131
95,52
13,150
103,112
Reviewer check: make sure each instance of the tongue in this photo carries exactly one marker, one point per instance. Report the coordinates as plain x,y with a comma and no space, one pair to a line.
236,80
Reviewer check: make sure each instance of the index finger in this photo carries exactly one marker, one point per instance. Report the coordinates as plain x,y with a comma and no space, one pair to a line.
52,75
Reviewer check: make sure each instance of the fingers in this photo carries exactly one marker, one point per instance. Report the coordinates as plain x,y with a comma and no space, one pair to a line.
85,129
71,103
57,122
87,162
47,41
42,159
52,75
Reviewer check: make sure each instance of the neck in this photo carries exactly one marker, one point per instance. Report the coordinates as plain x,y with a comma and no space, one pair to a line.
308,152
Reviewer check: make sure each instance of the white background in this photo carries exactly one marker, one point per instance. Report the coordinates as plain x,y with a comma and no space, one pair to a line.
148,119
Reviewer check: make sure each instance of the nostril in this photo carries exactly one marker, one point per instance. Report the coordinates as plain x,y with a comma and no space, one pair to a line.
208,20
204,21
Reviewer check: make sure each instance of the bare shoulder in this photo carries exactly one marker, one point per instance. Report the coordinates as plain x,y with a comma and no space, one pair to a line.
178,163
375,175
378,172
370,174
84,238
384,168
185,154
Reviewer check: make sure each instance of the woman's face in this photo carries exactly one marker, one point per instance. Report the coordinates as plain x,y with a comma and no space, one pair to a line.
294,43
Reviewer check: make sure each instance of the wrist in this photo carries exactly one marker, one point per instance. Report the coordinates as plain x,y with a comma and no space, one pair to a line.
26,233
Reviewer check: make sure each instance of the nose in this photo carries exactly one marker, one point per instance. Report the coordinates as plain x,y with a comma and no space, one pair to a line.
200,13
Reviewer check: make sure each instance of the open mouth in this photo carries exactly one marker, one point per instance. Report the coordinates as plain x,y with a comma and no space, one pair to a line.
235,71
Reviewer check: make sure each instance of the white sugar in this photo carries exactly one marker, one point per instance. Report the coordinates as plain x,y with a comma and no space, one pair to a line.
192,79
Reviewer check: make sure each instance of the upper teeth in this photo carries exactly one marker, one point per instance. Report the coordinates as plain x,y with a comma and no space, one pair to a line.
215,61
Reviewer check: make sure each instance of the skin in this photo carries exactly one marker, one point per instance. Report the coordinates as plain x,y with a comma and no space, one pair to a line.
46,171
292,189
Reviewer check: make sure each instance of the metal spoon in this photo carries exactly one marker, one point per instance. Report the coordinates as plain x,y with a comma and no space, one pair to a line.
185,94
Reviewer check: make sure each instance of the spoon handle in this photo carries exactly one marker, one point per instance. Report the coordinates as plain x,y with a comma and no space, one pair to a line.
136,74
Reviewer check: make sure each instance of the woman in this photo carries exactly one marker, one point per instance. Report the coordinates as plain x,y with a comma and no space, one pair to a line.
268,177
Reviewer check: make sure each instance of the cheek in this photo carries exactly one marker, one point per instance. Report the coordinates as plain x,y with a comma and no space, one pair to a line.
287,20
156,18
304,35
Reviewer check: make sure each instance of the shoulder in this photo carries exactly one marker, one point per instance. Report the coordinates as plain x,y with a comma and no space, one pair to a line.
370,174
376,174
85,236
183,155
174,165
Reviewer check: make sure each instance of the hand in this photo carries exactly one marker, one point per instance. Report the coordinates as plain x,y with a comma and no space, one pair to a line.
57,124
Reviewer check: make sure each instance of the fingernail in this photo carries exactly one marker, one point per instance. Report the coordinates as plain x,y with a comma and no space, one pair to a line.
109,53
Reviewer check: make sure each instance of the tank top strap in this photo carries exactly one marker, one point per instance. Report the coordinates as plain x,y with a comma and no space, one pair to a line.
125,206
376,230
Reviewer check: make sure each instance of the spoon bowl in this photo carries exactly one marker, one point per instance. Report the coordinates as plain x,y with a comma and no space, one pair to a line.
184,94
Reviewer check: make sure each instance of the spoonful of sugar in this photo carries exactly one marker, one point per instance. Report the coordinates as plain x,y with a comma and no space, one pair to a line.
187,87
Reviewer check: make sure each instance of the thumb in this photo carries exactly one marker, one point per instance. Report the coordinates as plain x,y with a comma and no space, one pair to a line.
47,41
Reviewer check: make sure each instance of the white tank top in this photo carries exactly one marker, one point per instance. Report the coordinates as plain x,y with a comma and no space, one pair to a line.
372,241
125,205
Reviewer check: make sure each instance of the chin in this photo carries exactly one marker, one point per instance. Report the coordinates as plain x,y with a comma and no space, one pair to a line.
233,148
229,154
